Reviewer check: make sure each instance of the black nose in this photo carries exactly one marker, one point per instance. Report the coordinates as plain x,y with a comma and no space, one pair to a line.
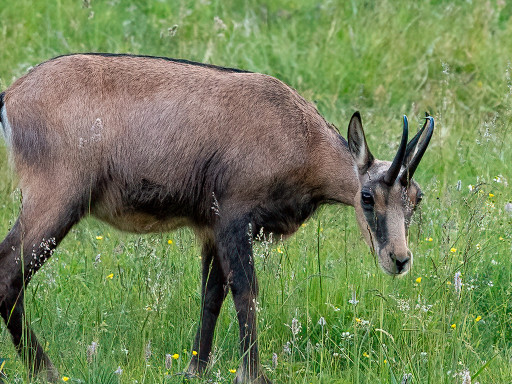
400,263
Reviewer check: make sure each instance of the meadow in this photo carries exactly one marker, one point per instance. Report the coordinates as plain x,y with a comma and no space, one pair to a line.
111,307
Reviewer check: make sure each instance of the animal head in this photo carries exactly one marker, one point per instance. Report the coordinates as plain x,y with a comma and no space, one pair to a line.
387,195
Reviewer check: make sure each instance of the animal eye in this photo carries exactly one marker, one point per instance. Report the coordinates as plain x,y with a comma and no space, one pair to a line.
419,197
367,198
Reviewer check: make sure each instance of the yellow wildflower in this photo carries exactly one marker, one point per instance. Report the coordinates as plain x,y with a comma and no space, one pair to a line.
453,250
98,238
279,250
365,354
358,319
385,361
448,282
194,353
169,241
65,378
175,356
491,194
453,326
418,280
232,370
478,318
429,239
501,238
111,276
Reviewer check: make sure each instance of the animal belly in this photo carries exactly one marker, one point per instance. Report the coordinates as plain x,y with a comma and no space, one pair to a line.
141,222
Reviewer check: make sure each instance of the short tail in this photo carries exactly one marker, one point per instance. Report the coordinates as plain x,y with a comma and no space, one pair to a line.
6,129
1,107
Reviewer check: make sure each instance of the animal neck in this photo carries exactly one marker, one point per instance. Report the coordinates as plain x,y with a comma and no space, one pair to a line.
349,176
339,171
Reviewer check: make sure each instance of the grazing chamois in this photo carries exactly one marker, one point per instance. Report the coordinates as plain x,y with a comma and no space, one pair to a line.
151,144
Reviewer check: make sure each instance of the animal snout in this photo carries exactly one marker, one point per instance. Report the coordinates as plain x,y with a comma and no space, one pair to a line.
401,262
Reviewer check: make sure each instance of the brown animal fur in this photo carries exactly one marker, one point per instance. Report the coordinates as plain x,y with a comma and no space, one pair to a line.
151,144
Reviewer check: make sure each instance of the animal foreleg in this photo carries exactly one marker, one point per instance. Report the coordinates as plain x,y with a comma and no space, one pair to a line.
234,243
213,292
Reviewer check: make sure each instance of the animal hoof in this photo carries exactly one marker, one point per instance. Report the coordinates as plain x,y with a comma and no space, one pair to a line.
188,377
261,379
50,372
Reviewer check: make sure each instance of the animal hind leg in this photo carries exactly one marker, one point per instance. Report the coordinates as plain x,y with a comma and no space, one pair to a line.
40,227
25,341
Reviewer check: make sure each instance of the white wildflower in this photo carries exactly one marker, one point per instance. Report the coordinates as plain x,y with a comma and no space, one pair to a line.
97,259
296,326
422,305
336,309
466,377
346,335
353,300
446,68
406,379
403,305
500,179
219,24
274,361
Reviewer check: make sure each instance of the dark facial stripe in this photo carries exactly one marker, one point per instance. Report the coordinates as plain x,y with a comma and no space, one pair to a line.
378,226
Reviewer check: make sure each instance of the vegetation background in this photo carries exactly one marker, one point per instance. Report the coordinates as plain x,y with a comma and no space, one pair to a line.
110,306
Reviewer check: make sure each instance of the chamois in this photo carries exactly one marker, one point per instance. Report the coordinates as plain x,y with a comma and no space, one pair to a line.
151,144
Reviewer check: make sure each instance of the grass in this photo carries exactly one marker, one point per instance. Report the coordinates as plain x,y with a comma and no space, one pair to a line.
132,294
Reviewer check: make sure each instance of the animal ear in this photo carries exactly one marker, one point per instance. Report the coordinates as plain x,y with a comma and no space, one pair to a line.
357,144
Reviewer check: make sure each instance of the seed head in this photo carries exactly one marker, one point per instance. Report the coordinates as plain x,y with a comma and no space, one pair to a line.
168,361
457,282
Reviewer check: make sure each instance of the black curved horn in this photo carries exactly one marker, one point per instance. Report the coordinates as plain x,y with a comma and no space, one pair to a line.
407,174
410,151
394,170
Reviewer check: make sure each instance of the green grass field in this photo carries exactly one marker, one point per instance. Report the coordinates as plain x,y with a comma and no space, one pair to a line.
138,297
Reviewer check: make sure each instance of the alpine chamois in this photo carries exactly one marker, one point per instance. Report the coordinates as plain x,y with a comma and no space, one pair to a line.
151,144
